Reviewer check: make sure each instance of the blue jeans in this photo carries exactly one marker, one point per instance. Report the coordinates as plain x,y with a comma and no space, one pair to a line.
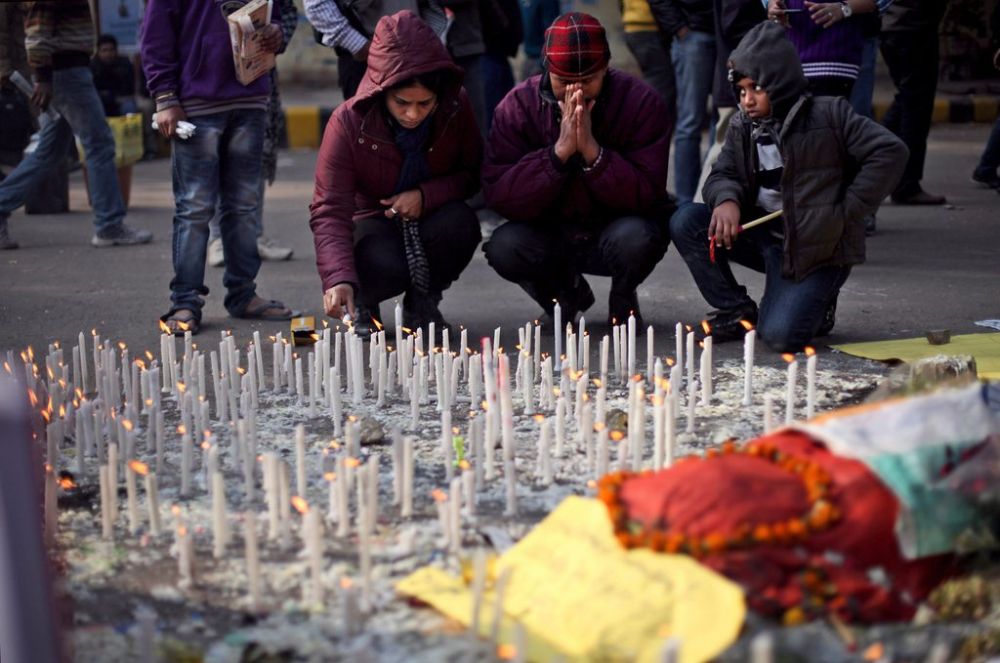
864,86
74,96
990,160
791,311
258,219
694,70
498,80
219,166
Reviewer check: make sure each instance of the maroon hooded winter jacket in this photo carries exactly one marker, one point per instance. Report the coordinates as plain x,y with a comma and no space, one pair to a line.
524,181
358,162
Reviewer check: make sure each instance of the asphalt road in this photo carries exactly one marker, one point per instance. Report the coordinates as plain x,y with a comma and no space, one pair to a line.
927,268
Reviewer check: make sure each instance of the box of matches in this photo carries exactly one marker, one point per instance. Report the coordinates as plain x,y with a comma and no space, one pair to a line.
304,330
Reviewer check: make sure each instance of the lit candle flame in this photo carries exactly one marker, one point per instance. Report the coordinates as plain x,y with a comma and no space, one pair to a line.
789,357
329,476
464,465
439,495
351,462
707,328
378,325
165,329
127,425
539,418
810,351
617,435
345,583
300,504
138,467
746,324
66,482
506,652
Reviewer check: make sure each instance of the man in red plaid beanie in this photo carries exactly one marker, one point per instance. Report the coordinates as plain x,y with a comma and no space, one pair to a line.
577,162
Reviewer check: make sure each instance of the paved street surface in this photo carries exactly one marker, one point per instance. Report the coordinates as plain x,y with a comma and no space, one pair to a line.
927,268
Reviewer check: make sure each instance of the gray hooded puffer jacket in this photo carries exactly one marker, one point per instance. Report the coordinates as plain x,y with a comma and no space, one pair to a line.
838,166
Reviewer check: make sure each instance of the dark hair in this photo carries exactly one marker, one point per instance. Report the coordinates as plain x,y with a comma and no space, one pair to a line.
435,81
107,39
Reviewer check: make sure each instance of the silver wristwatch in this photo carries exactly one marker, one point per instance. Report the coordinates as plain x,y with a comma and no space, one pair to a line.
846,9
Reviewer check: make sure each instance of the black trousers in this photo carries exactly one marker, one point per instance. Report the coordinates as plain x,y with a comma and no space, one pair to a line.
450,236
912,58
545,263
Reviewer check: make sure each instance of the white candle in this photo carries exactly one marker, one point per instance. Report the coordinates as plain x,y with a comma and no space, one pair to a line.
706,371
669,434
252,554
51,509
793,374
220,527
105,486
560,425
604,360
185,556
749,344
113,479
616,346
312,535
153,503
679,344
510,477
768,413
187,457
810,383
406,510
132,500
544,452
557,333
300,460
762,648
689,357
631,345
455,515
649,354
350,610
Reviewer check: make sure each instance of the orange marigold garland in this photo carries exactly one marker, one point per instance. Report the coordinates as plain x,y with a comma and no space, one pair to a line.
821,515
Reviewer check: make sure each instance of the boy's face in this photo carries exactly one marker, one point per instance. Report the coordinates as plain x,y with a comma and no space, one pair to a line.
754,99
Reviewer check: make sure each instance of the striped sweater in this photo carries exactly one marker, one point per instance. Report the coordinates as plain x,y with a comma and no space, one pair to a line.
58,35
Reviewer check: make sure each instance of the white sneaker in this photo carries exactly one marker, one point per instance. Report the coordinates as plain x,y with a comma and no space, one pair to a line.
268,250
216,258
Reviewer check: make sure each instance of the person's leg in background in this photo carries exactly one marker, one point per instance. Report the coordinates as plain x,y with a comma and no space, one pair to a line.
912,58
985,173
74,96
694,68
861,99
53,141
652,52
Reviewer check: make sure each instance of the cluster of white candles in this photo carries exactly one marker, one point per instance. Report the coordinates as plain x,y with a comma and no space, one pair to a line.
112,406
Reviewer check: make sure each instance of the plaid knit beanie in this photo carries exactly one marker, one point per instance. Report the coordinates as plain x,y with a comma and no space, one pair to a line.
575,46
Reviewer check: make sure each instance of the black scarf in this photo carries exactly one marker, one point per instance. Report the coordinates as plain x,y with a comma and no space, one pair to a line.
413,171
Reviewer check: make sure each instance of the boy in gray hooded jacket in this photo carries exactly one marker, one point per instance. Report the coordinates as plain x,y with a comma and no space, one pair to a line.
811,160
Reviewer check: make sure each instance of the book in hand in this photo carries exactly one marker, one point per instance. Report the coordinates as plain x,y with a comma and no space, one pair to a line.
246,26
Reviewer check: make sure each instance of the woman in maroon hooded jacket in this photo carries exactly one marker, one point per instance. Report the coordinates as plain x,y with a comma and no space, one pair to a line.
396,162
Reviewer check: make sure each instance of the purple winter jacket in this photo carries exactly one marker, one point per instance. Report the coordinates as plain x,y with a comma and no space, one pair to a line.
185,48
524,181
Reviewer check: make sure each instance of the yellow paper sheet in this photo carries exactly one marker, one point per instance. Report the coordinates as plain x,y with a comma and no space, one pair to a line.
579,595
984,347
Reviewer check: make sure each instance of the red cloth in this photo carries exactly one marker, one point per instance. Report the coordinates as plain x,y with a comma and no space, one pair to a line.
358,162
575,46
725,493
